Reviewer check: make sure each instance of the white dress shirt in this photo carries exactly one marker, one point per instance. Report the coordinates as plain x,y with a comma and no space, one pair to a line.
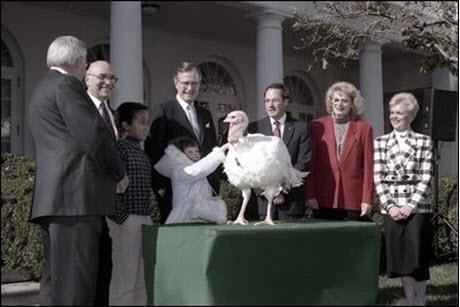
282,122
97,103
59,69
401,137
192,118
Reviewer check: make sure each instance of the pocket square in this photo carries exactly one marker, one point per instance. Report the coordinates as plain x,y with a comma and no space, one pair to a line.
208,125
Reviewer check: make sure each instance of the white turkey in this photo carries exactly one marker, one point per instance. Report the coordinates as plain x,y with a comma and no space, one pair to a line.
257,161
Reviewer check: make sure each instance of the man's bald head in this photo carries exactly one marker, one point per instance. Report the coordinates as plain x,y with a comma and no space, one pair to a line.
100,80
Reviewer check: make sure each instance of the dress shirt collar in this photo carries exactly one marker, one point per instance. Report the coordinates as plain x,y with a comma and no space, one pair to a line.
97,102
61,70
282,120
184,104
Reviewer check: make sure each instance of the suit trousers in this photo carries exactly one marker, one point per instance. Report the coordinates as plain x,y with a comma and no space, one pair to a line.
127,286
105,266
71,250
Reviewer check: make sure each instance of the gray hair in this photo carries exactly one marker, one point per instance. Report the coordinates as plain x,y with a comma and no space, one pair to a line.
187,67
357,100
64,51
408,100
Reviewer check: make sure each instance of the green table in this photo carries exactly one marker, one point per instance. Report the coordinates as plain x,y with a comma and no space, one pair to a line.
292,263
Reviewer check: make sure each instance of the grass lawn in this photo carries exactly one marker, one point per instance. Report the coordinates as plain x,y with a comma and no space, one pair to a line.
442,289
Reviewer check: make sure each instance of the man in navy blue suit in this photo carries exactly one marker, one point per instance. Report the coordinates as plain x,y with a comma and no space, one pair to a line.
294,133
179,117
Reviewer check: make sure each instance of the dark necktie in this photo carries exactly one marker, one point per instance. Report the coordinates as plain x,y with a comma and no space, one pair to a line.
277,129
105,114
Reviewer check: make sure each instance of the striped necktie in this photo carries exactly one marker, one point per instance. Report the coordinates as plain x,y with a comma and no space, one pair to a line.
194,121
277,129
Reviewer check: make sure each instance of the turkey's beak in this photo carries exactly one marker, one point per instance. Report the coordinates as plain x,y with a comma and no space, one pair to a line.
226,120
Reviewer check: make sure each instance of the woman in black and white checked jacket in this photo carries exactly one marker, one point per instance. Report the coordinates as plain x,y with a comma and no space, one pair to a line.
403,168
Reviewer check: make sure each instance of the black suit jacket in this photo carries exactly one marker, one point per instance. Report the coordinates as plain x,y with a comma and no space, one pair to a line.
295,136
169,121
77,163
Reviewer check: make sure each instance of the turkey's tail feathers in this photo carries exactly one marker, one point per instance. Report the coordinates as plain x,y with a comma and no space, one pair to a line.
293,177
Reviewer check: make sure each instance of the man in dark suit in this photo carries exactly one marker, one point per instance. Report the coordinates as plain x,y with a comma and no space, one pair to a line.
100,81
179,117
78,174
291,205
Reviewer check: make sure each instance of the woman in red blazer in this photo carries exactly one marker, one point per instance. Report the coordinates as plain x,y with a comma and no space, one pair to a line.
340,184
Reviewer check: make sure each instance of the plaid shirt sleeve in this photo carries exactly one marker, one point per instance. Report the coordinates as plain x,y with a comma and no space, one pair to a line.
381,188
425,172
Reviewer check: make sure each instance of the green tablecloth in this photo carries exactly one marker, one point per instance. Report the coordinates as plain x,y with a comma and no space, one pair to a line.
292,263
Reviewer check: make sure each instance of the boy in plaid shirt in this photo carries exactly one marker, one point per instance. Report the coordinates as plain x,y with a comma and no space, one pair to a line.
132,209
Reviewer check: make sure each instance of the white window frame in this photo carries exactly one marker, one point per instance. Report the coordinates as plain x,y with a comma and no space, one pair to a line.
316,109
14,74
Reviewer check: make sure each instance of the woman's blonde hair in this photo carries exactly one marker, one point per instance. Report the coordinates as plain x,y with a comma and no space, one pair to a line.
357,107
408,100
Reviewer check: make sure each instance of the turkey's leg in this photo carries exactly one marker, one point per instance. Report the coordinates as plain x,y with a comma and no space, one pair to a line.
240,219
268,218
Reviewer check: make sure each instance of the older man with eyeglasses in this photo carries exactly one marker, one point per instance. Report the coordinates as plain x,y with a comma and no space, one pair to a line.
100,81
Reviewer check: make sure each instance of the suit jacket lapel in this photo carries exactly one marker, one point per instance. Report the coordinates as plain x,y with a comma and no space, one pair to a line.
330,141
350,139
288,130
266,126
409,148
394,156
200,116
181,117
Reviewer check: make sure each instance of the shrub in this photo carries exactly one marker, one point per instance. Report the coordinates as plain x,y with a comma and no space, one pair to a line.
155,215
445,241
232,197
21,240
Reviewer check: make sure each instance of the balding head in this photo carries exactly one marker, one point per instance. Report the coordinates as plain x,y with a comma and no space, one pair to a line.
100,80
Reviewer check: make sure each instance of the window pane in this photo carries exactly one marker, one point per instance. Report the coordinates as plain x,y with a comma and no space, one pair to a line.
6,89
6,115
6,58
98,52
204,104
216,80
6,146
299,90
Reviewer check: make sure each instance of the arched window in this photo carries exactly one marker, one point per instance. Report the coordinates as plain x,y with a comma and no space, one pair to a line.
102,52
218,92
302,100
12,106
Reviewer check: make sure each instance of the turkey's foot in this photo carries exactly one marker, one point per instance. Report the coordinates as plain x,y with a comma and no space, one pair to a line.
239,221
267,222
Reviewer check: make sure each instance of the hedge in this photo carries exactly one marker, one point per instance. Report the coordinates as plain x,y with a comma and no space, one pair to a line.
21,240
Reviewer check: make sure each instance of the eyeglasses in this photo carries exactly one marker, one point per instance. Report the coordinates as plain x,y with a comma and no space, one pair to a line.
191,83
103,77
275,101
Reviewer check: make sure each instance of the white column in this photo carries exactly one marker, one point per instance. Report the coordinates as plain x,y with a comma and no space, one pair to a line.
269,55
442,79
126,51
371,85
